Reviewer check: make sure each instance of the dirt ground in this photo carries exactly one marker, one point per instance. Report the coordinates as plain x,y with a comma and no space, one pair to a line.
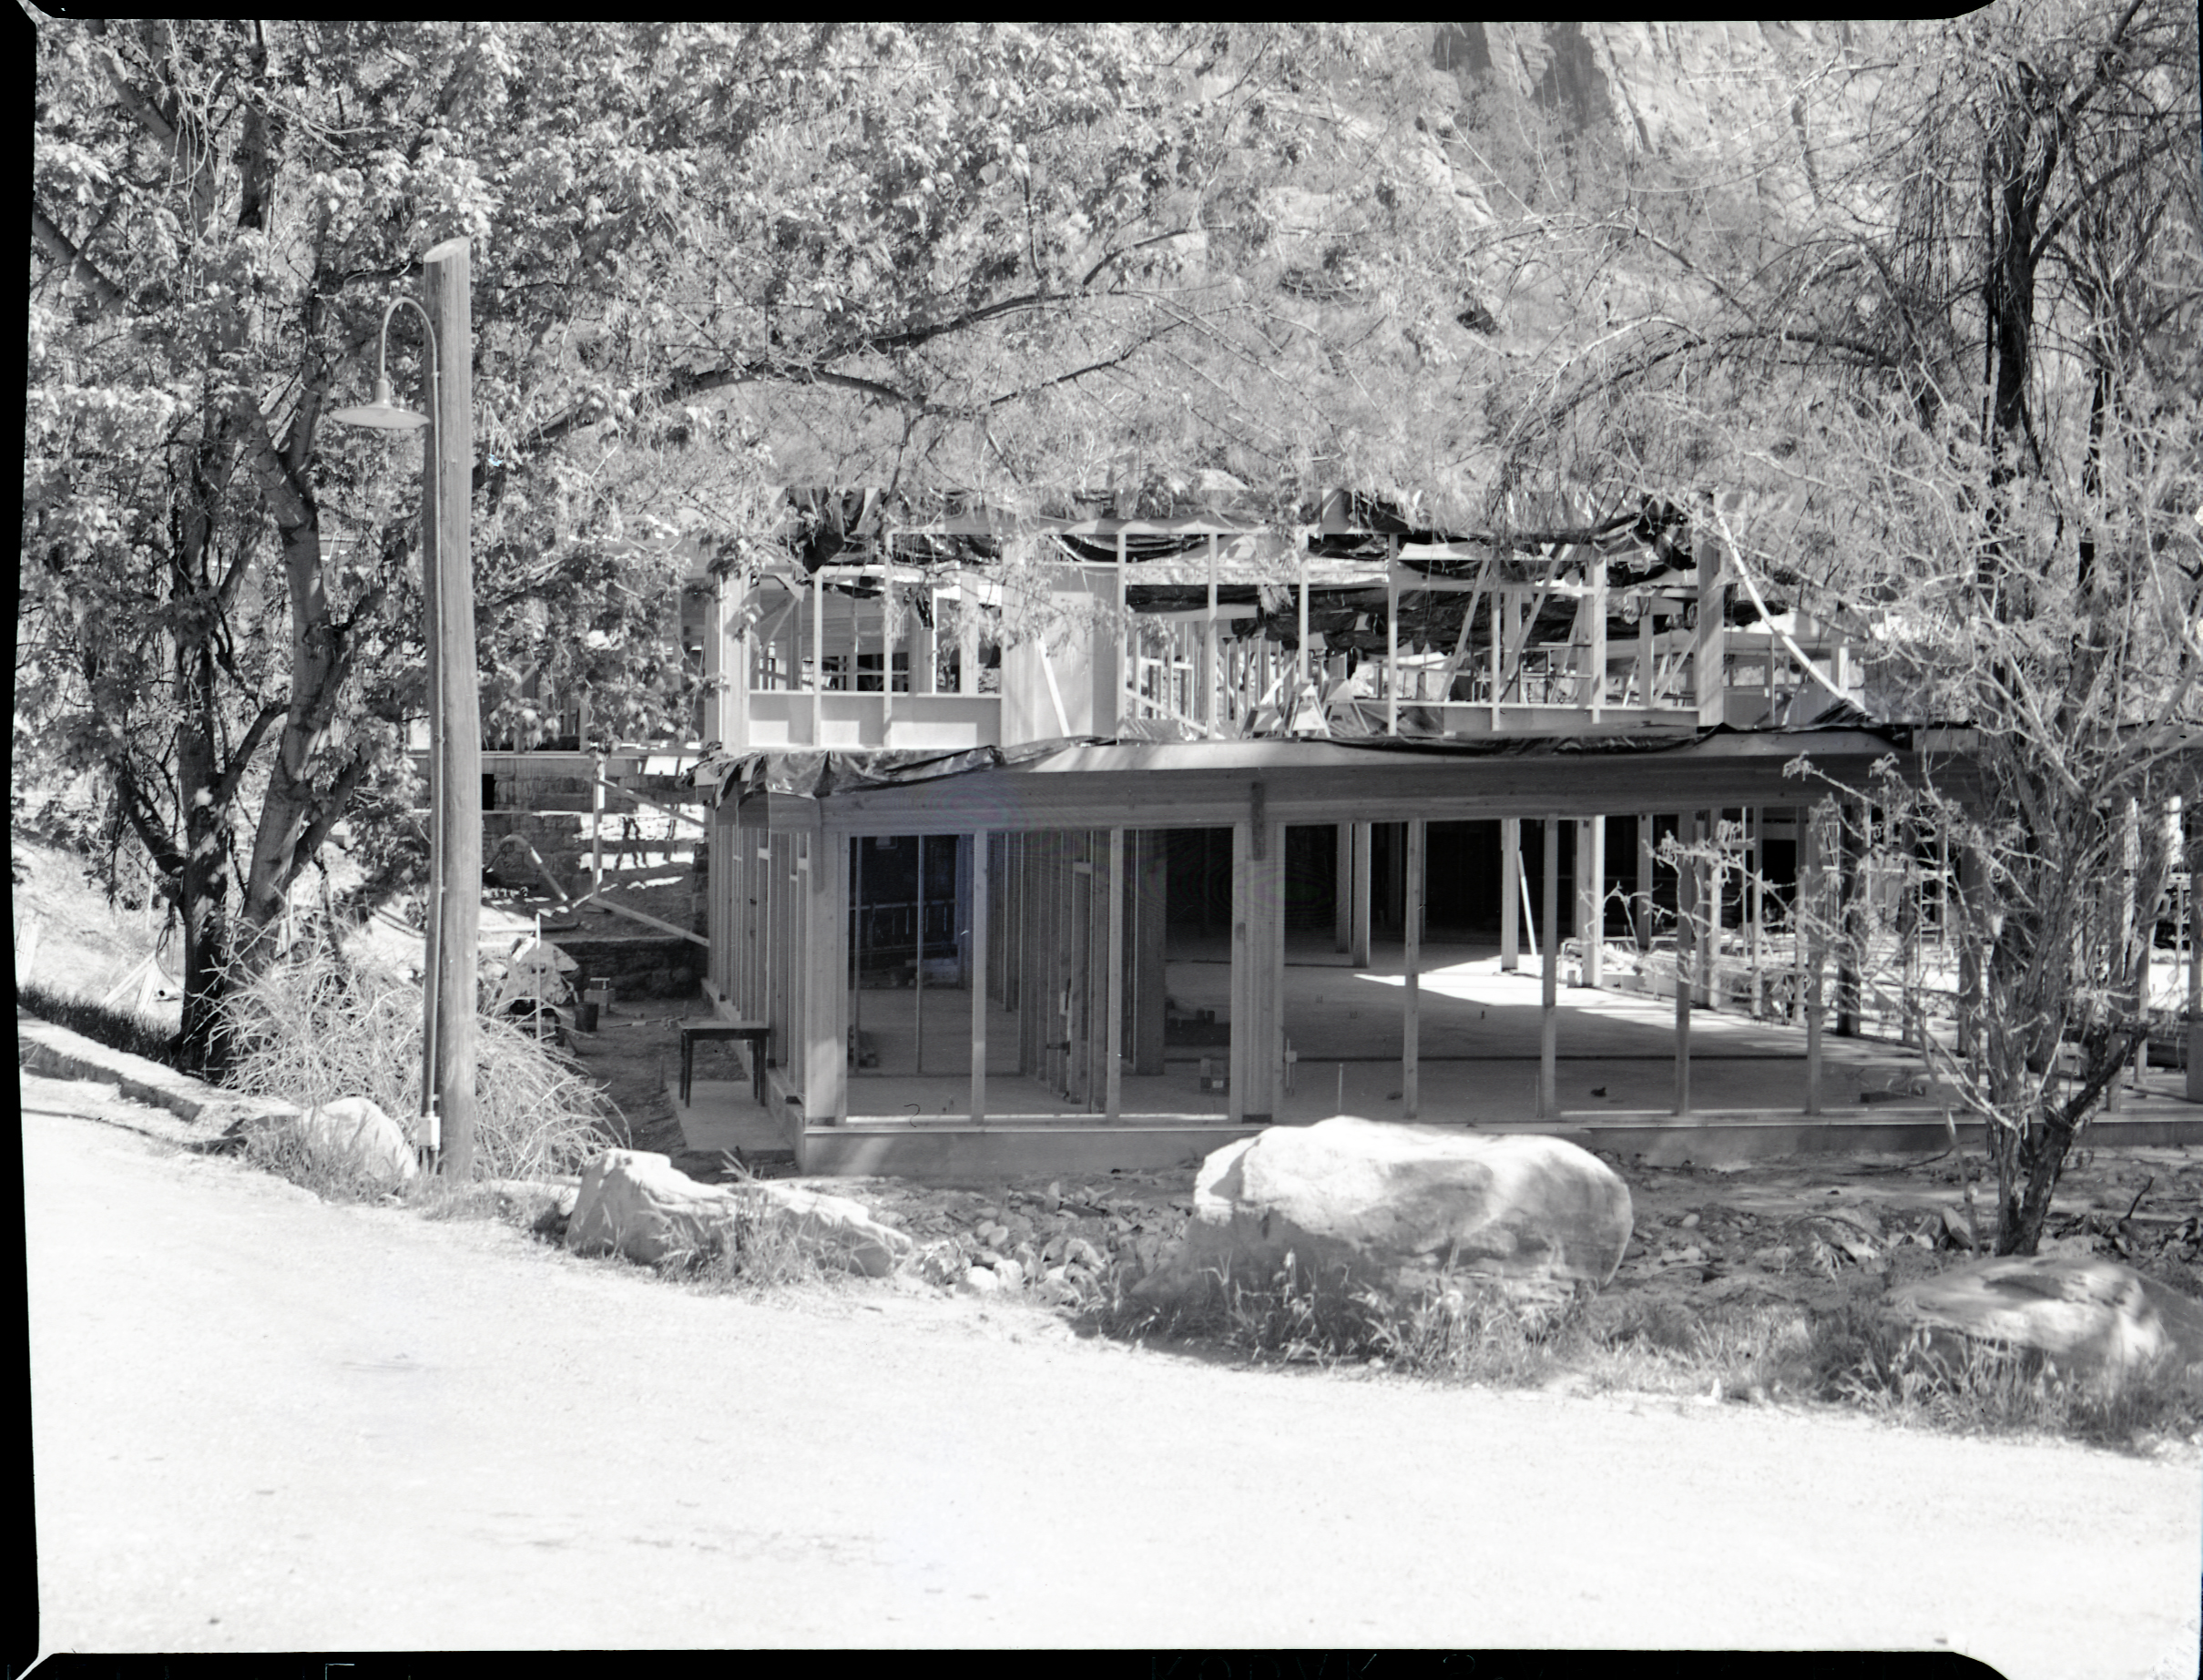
444,1434
515,1365
1808,1230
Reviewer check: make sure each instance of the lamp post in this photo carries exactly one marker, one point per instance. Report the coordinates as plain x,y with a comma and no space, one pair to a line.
448,1003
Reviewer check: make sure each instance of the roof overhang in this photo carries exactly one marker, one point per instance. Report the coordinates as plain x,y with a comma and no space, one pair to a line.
1201,784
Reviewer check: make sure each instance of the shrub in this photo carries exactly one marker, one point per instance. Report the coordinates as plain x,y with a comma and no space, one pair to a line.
1975,1385
1459,1328
316,1026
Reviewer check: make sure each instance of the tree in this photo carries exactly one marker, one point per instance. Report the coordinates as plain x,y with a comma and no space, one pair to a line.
1007,259
1956,386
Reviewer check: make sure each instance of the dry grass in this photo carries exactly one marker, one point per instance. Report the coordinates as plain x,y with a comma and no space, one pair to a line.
1467,1329
1461,1328
317,1026
1988,1387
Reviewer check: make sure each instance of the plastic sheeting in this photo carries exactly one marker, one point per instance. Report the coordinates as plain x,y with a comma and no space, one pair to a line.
821,774
818,775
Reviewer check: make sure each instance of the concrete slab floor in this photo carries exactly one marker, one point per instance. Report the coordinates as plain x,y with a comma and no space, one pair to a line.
1478,1056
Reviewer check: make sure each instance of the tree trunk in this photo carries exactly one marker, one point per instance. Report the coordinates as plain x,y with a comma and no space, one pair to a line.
295,814
203,883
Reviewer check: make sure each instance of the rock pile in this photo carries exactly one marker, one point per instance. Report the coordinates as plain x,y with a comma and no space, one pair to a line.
1063,1249
640,1205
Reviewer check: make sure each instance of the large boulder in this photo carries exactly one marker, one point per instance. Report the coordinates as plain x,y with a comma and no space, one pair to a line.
353,1135
1369,1203
2087,1315
640,1205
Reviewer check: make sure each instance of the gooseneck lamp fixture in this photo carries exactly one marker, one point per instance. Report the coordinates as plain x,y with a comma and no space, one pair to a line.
382,413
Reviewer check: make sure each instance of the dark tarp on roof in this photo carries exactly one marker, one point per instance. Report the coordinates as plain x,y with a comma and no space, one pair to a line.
817,774
821,774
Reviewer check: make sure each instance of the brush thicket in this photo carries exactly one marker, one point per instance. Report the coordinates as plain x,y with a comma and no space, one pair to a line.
317,1026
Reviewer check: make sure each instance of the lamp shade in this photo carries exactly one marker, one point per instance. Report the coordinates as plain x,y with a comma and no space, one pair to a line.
383,414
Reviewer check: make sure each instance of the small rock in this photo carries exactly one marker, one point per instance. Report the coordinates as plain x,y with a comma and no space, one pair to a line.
1689,1222
979,1280
1011,1273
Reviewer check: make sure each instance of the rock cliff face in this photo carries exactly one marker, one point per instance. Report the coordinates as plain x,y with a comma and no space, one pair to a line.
1665,85
1777,92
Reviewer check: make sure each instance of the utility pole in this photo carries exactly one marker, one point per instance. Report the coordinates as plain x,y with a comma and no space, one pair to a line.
455,702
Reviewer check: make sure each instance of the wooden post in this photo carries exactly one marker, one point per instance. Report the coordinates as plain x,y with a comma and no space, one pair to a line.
1707,673
1847,846
457,714
926,653
2133,933
918,977
1811,878
1913,1028
1594,687
1126,675
859,924
1209,650
1510,889
826,1083
890,601
818,657
1548,1105
1113,1028
1802,817
1299,667
1502,617
1391,636
981,881
1643,918
1343,887
1151,881
1411,1000
1591,895
967,634
596,827
1686,975
717,686
1257,968
1715,878
1364,835
1753,819
1242,977
2190,858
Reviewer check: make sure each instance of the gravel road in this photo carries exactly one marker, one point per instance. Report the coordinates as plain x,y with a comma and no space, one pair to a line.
261,1422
